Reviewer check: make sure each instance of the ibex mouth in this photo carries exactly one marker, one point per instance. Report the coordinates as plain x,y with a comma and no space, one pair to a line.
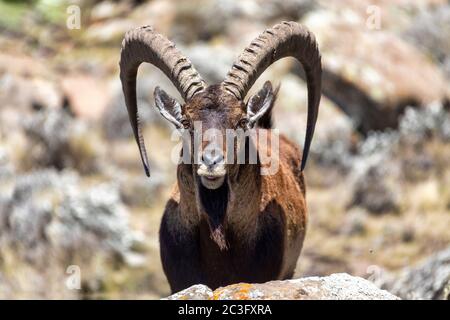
216,171
212,182
212,178
211,174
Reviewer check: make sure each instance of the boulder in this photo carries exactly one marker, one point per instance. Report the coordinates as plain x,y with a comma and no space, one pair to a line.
195,292
340,286
364,70
56,139
53,224
428,280
49,213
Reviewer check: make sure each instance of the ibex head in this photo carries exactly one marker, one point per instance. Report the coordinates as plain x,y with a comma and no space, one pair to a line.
221,106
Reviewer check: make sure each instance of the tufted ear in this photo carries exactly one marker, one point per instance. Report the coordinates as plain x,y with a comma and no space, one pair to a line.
261,104
168,107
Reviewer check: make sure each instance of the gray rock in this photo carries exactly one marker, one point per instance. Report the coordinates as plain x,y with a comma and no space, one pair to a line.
56,139
49,213
334,150
196,292
418,124
48,131
115,121
375,187
6,167
213,62
430,31
373,192
285,9
428,280
334,287
203,20
135,190
25,94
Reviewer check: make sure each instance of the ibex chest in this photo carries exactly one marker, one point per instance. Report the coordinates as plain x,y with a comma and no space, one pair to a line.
242,260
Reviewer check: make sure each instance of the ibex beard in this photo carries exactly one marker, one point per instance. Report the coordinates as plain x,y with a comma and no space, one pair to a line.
226,221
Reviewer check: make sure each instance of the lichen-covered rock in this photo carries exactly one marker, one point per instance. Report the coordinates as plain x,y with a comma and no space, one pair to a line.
428,280
196,292
334,287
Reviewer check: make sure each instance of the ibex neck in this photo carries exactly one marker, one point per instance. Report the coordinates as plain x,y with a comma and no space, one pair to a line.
232,208
244,199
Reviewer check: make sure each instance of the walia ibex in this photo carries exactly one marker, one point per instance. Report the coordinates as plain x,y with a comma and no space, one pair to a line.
226,222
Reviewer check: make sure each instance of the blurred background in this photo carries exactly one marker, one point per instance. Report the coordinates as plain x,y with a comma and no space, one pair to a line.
74,199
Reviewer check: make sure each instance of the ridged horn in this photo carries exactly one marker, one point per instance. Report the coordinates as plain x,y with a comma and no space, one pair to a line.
282,40
145,45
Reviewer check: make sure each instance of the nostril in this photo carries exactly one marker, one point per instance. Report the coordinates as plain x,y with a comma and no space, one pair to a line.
218,159
212,160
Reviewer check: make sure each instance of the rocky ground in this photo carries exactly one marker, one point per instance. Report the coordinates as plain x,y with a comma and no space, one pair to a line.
72,189
338,286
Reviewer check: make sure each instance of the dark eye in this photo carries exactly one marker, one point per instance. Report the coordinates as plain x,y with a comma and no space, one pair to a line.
186,123
243,123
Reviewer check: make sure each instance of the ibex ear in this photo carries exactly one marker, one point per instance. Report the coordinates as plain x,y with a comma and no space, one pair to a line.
261,105
168,107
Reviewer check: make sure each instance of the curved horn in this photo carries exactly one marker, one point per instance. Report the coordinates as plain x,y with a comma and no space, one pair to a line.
283,40
145,45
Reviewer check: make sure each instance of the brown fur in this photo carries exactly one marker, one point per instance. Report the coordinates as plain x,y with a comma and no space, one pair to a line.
255,234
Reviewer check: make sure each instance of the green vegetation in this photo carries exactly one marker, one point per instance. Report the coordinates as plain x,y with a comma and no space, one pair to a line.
15,13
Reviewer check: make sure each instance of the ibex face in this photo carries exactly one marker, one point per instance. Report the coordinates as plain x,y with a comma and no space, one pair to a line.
214,116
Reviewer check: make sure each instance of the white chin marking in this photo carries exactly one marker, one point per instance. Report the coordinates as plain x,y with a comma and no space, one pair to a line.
213,182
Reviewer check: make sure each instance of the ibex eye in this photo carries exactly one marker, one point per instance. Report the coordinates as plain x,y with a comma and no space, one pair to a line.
186,123
243,123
